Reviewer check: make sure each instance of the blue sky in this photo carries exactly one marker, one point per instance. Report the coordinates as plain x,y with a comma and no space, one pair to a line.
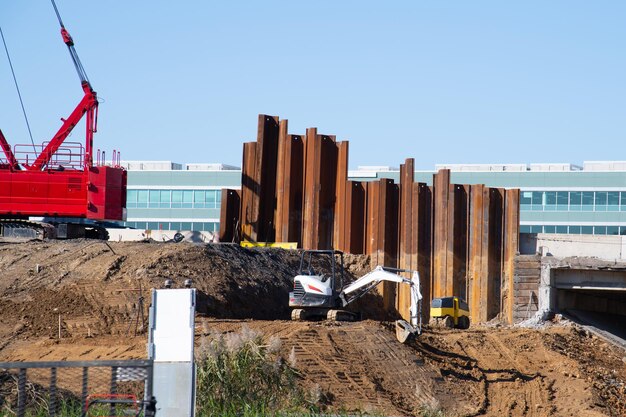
443,82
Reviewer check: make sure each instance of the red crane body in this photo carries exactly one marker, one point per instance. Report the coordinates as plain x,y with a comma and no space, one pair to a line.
59,178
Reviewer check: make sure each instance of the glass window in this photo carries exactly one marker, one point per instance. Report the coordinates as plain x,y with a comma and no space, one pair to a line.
575,200
562,199
599,230
561,229
623,205
175,226
131,198
142,198
612,203
586,230
177,198
574,230
524,229
549,229
153,226
550,201
587,201
185,226
210,199
155,196
187,199
218,198
537,201
198,199
165,199
536,229
526,200
612,230
600,201
622,230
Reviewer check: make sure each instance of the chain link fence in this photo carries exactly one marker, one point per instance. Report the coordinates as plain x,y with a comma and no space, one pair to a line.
90,388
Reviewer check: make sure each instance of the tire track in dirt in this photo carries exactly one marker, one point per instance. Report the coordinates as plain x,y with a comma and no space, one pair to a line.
508,390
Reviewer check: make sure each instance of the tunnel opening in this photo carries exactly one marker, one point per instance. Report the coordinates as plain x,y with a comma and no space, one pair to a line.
592,297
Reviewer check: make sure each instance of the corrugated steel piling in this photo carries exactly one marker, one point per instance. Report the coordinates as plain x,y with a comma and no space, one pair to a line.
462,239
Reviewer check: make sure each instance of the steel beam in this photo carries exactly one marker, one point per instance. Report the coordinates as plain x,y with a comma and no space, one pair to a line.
456,258
312,189
328,183
340,223
281,219
229,216
494,273
423,231
355,217
249,192
510,250
265,175
478,238
441,185
407,240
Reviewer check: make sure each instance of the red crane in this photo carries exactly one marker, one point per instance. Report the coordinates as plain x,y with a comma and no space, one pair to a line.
59,179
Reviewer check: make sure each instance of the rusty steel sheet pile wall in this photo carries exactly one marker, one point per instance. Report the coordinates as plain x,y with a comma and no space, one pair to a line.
462,239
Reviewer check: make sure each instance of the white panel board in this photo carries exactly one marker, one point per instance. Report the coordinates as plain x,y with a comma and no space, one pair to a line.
172,324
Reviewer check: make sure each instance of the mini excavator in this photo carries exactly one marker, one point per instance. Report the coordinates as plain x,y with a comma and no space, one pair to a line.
318,295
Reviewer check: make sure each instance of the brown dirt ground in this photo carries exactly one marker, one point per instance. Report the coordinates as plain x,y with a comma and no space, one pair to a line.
492,371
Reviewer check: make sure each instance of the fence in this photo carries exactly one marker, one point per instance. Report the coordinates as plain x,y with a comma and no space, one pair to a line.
90,388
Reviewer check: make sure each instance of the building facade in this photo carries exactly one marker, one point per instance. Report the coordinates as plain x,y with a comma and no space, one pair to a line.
555,198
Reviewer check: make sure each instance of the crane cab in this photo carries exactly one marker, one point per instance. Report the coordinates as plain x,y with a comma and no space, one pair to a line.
453,311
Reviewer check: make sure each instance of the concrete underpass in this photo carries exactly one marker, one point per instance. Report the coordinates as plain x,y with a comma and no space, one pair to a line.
594,297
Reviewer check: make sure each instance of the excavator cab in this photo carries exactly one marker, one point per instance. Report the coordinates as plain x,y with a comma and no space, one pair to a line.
319,280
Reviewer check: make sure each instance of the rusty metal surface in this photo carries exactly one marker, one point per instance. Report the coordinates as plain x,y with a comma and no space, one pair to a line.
494,274
281,218
249,192
328,183
341,182
356,218
477,220
510,250
229,215
441,186
460,238
312,189
407,240
265,175
423,230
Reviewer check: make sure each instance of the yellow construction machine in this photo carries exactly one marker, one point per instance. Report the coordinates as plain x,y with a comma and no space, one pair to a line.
451,311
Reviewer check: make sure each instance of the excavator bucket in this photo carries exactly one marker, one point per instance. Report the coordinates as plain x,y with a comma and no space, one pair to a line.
404,331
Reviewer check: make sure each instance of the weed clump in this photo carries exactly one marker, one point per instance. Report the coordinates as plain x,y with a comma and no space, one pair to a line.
239,374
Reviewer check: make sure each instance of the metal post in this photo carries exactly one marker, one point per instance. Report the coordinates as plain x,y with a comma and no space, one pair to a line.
113,386
85,390
53,392
21,393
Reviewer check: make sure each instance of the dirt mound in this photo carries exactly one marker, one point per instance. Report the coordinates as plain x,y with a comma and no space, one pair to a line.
94,290
95,286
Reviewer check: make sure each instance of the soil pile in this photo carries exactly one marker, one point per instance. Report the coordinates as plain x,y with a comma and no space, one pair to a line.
93,289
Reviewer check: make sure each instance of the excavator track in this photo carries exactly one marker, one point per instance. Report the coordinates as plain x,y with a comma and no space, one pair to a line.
21,230
341,315
14,230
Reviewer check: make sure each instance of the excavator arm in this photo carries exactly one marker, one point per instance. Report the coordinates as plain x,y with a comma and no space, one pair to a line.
379,274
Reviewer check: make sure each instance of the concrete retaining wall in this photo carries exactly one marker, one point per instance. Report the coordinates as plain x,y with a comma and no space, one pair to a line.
563,246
